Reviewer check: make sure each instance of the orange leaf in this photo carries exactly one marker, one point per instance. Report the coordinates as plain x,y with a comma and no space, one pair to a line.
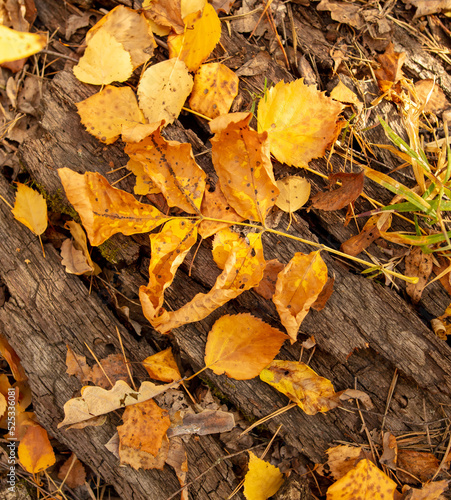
300,121
144,183
13,360
30,209
267,285
369,233
390,71
223,243
364,481
341,459
350,190
199,39
72,472
215,88
139,459
241,346
162,366
172,167
242,162
169,249
302,385
35,451
297,288
145,426
105,210
262,480
242,271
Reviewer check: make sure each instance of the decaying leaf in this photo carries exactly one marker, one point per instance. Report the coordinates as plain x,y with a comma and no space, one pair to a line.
389,456
178,460
95,401
348,13
30,209
262,480
345,95
390,71
204,423
163,89
298,287
73,259
350,189
242,162
108,112
13,360
16,45
215,88
267,285
417,464
139,459
430,93
35,451
81,243
427,7
301,122
113,369
341,459
430,491
294,193
364,481
420,265
162,366
166,13
77,366
72,472
302,385
241,346
105,210
370,232
324,296
198,40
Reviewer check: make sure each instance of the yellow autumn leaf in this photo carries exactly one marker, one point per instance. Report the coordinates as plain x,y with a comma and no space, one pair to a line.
108,112
105,210
262,480
162,366
300,120
302,385
105,61
198,40
241,346
35,451
215,88
297,288
144,183
365,481
294,193
16,45
223,242
163,89
30,209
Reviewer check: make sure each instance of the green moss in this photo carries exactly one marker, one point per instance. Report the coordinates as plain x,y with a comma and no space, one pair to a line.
56,202
109,251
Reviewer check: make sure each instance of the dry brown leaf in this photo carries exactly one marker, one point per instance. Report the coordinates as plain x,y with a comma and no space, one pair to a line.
222,5
430,491
389,456
77,366
341,459
390,71
370,232
77,474
350,189
427,7
162,366
242,162
420,464
433,97
267,285
204,423
13,360
165,13
179,462
347,13
324,296
418,264
74,260
139,459
115,368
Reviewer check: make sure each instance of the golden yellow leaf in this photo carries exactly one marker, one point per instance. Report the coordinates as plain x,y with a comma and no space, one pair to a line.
297,288
262,480
345,95
302,385
139,459
294,193
169,249
95,401
198,40
301,122
30,209
108,112
215,88
145,426
3,405
172,167
163,90
241,346
162,366
223,243
130,29
138,131
165,13
191,6
35,451
242,161
105,210
242,271
364,482
144,183
16,45
105,61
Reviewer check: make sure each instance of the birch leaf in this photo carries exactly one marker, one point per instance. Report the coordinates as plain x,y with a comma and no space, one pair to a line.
30,209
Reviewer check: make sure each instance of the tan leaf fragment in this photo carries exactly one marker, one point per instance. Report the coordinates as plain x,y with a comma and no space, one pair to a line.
370,232
74,260
348,13
433,97
427,7
429,491
341,459
345,95
390,71
389,456
139,459
350,189
77,366
204,423
418,264
72,472
165,13
178,460
81,243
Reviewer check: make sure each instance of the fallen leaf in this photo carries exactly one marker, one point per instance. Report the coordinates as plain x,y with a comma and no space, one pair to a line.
350,189
35,451
431,95
389,456
390,71
215,88
324,296
139,459
81,243
222,5
115,368
188,7
73,259
341,459
370,232
347,13
72,472
30,209
163,90
241,159
179,462
298,287
364,481
223,243
165,13
3,405
430,491
108,112
419,464
16,45
198,40
427,7
241,346
144,428
262,479
345,95
162,366
418,264
267,285
105,210
13,360
144,183
105,61
75,22
173,170
204,423
301,122
301,384
294,193
95,401
77,366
